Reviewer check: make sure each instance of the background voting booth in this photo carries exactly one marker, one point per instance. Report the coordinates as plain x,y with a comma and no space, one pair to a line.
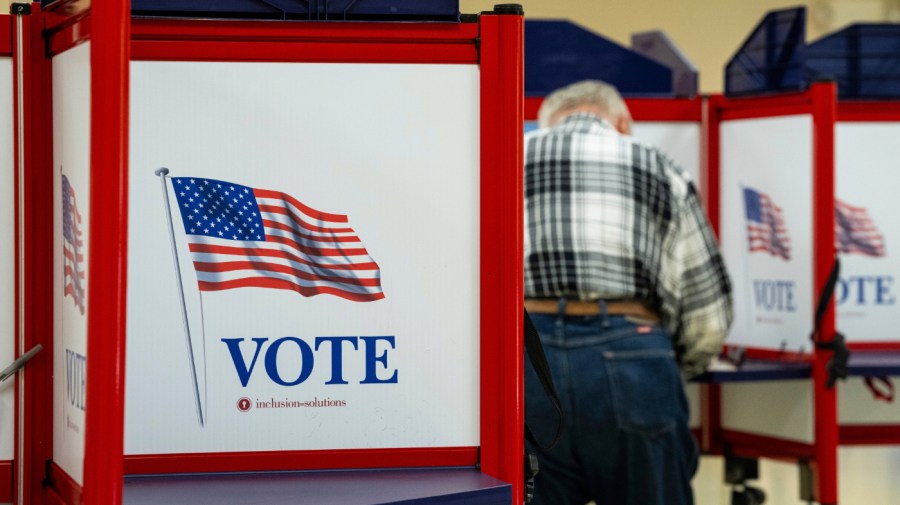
774,215
276,246
867,301
667,111
791,178
774,170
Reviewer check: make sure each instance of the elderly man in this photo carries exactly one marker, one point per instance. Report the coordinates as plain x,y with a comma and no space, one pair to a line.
625,284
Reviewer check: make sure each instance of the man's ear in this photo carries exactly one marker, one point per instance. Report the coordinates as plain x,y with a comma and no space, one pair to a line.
623,125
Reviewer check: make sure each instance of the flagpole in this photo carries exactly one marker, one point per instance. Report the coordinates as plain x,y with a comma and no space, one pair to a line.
162,172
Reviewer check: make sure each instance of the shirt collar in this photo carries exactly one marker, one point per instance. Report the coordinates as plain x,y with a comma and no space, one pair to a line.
586,119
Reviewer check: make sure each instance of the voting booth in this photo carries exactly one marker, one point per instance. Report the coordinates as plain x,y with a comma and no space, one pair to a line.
862,59
794,162
284,246
771,166
771,161
868,119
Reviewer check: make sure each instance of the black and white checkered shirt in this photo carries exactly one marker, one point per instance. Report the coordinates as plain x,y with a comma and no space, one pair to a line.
607,217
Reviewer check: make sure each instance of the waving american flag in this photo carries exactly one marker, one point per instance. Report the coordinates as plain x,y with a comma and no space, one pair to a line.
73,247
243,237
855,232
766,231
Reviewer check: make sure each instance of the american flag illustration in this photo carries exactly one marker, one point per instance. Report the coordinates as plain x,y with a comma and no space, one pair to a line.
855,232
248,237
73,246
766,231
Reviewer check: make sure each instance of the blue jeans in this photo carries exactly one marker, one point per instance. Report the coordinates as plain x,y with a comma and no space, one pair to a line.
626,438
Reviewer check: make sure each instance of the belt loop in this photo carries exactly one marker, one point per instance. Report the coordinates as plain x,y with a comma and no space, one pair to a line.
604,314
561,312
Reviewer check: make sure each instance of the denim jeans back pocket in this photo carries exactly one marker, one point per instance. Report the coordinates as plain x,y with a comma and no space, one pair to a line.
646,390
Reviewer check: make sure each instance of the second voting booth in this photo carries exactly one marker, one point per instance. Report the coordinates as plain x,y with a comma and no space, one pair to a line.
794,164
771,162
789,185
281,246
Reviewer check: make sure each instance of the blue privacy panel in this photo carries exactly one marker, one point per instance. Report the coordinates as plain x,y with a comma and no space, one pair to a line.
320,10
658,47
558,53
771,58
864,59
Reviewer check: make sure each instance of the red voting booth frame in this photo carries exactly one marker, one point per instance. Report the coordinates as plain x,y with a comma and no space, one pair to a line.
642,109
109,26
494,43
682,110
819,102
21,37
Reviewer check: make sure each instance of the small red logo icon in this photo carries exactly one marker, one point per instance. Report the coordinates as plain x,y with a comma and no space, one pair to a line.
244,404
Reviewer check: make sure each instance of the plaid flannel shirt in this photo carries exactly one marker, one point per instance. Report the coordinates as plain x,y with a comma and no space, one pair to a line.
607,217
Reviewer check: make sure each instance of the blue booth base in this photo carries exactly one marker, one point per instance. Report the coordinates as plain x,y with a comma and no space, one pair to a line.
861,364
444,486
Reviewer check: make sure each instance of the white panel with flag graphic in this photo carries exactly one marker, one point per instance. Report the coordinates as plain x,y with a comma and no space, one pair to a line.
868,233
340,307
766,187
71,162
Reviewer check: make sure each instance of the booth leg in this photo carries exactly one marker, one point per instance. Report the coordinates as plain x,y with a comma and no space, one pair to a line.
738,471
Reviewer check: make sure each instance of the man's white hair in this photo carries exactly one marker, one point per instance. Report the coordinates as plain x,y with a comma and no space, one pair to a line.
597,93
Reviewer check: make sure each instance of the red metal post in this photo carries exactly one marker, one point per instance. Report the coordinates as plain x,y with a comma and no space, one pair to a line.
712,189
824,102
502,112
20,38
105,405
34,271
711,394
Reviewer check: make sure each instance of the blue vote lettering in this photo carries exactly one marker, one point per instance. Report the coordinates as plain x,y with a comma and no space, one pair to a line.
374,355
306,361
776,296
865,290
371,359
337,356
76,378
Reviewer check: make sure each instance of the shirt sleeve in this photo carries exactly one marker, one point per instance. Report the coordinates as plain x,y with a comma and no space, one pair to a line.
704,311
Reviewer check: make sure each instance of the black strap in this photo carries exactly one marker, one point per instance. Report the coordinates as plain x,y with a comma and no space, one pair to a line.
825,295
539,362
837,366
